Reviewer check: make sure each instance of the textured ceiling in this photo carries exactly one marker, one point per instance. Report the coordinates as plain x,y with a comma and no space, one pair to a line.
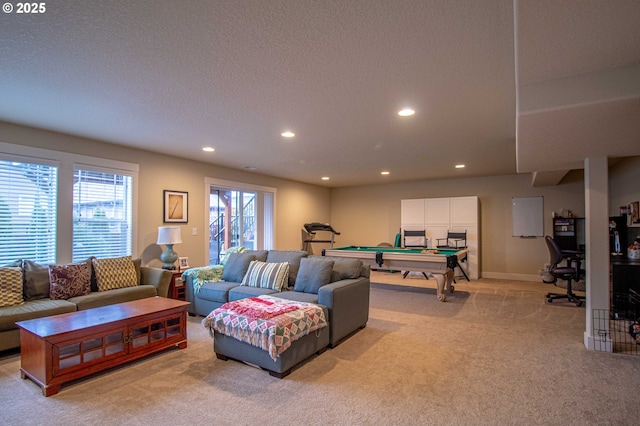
173,77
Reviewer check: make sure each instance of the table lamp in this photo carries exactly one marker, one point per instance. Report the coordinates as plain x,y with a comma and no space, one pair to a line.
169,235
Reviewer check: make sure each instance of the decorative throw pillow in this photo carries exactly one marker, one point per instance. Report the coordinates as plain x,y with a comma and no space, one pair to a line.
290,256
69,280
236,266
314,272
345,268
115,272
10,286
266,275
36,280
231,250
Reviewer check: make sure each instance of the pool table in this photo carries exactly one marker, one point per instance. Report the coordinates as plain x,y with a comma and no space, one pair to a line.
440,263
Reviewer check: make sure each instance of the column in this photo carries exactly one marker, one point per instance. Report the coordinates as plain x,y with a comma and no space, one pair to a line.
596,182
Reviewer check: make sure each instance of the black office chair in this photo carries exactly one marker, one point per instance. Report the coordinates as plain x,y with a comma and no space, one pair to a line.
568,273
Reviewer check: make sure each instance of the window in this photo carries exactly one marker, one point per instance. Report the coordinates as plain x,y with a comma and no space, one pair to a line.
27,211
240,215
58,207
102,214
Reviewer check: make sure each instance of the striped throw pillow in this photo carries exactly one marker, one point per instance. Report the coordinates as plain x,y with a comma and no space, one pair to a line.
11,286
266,275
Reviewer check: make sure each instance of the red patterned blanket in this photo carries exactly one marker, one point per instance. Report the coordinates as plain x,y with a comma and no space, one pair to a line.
267,322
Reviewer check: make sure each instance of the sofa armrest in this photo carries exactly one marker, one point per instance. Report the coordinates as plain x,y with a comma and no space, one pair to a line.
348,304
159,278
188,289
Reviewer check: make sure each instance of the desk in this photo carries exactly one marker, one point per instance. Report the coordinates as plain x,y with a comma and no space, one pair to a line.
437,262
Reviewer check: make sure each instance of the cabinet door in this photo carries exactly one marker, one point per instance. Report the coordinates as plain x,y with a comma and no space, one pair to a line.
437,211
160,331
412,214
464,211
81,353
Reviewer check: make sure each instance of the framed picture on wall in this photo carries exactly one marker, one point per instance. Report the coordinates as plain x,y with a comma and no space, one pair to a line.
176,205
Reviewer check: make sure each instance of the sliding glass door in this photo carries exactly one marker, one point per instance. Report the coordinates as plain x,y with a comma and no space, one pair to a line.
239,217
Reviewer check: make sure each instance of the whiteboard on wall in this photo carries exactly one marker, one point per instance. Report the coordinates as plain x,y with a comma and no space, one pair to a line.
528,216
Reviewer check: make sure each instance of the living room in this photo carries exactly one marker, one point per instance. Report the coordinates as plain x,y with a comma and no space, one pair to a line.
350,383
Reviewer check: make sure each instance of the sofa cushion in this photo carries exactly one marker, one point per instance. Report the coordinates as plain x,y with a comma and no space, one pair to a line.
314,272
291,256
345,268
33,309
216,291
244,291
118,295
298,296
266,275
260,255
236,266
36,280
11,286
115,272
137,263
69,280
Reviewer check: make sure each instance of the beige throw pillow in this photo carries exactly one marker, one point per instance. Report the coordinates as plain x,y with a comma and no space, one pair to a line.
115,272
11,286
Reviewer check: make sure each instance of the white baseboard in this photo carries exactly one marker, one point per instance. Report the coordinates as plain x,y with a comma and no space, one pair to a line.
508,276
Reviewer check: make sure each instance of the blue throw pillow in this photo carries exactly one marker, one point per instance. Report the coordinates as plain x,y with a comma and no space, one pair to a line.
236,266
314,272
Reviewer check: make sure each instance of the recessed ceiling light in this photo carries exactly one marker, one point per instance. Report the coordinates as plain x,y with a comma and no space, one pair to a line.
406,112
460,166
251,168
288,134
325,177
384,173
208,149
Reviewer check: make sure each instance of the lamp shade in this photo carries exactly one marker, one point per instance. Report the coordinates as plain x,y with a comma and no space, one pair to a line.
169,235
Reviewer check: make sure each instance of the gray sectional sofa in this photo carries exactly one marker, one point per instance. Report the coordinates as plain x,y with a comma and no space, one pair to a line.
37,301
339,285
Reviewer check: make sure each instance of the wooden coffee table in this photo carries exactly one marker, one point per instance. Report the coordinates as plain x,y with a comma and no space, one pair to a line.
65,347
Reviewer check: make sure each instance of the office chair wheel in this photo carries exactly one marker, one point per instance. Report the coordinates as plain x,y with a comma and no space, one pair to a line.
550,300
579,303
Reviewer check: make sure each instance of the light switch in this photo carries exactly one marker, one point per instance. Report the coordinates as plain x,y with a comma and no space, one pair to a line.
194,231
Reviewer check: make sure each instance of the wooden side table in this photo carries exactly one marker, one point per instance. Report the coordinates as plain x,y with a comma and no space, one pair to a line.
176,287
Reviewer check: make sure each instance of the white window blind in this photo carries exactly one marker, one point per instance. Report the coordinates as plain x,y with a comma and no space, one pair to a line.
28,195
102,214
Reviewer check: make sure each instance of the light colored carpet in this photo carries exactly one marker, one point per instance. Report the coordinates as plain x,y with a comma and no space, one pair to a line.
494,353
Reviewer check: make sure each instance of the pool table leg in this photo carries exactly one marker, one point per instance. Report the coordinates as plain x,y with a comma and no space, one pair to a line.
450,279
441,280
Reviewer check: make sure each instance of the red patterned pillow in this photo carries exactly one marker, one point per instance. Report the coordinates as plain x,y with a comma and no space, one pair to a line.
69,280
